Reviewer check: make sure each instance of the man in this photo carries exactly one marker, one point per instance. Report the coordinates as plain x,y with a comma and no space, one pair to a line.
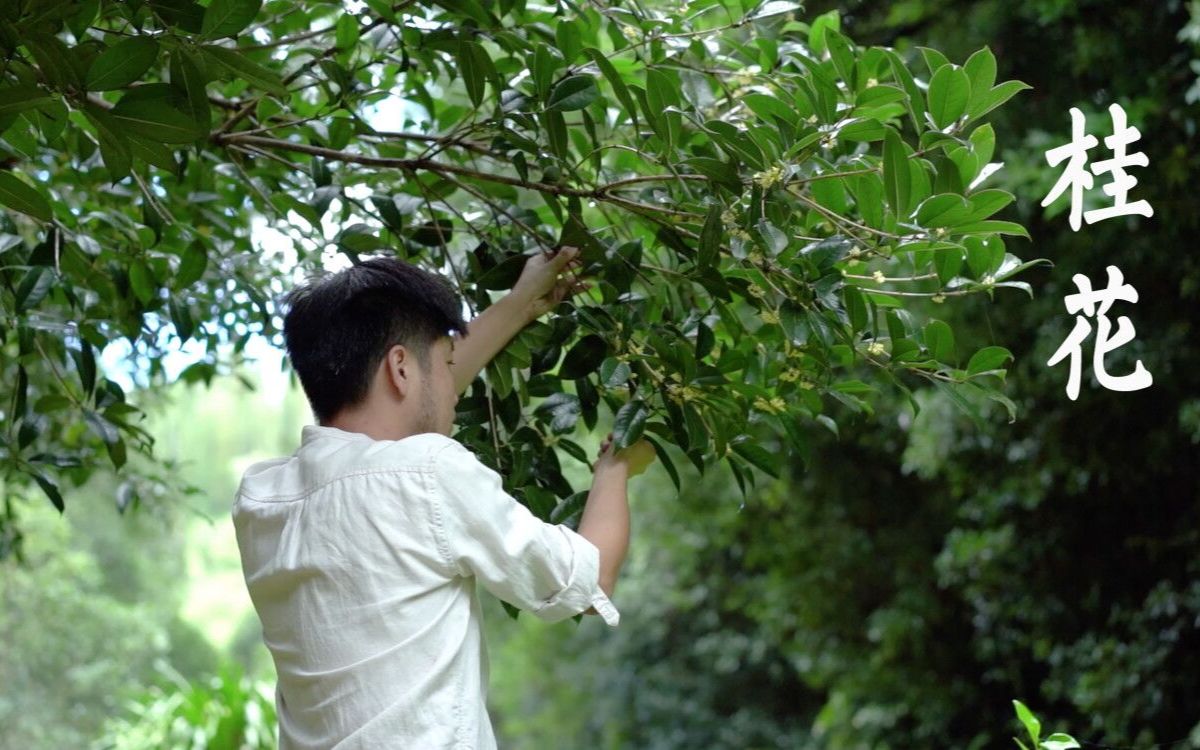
361,550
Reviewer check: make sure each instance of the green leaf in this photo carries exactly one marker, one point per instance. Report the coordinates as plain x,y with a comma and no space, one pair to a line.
1001,275
710,238
142,280
19,196
897,182
993,227
949,92
981,71
20,98
1023,286
34,286
964,405
54,60
569,39
864,130
121,64
114,144
667,463
816,31
563,411
773,236
721,172
614,79
243,67
104,429
947,263
856,307
85,364
1032,725
987,202
943,210
614,373
185,14
181,316
584,357
346,33
476,68
156,117
574,92
916,99
983,142
152,152
988,358
187,76
191,265
629,423
50,488
939,340
1059,741
841,50
759,457
934,60
228,17
999,95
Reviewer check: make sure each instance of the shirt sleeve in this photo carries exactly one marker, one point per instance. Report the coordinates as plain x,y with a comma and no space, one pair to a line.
482,531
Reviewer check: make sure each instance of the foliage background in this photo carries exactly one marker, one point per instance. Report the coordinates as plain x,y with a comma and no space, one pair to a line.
899,593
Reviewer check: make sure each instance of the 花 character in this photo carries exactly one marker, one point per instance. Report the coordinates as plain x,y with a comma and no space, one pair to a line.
1086,300
1078,178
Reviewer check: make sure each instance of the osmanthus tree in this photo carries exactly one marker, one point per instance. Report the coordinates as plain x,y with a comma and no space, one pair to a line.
770,213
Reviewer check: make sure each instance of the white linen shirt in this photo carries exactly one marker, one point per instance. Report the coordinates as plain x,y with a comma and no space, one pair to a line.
361,558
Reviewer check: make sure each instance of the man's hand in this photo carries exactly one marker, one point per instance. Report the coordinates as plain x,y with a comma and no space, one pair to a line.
636,457
539,289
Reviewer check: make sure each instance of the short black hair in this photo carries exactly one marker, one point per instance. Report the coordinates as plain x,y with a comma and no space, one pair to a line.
338,327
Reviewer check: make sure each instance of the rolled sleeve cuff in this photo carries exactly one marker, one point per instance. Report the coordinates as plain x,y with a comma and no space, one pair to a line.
583,585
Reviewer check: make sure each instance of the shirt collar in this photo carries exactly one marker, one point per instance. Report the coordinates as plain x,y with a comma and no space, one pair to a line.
311,432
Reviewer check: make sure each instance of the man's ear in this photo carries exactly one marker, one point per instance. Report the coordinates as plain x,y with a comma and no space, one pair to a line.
399,363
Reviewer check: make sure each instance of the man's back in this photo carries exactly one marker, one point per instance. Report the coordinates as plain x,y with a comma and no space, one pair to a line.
361,557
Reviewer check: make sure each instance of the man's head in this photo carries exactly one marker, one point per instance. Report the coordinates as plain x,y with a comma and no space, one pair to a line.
371,345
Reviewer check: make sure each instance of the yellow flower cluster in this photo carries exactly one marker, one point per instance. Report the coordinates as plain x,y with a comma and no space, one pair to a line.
875,348
938,298
745,76
854,253
769,177
795,376
872,82
757,291
739,233
768,316
631,33
775,406
680,394
988,280
878,276
728,218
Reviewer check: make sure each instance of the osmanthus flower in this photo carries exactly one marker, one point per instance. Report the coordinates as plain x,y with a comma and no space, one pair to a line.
875,348
769,177
775,406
